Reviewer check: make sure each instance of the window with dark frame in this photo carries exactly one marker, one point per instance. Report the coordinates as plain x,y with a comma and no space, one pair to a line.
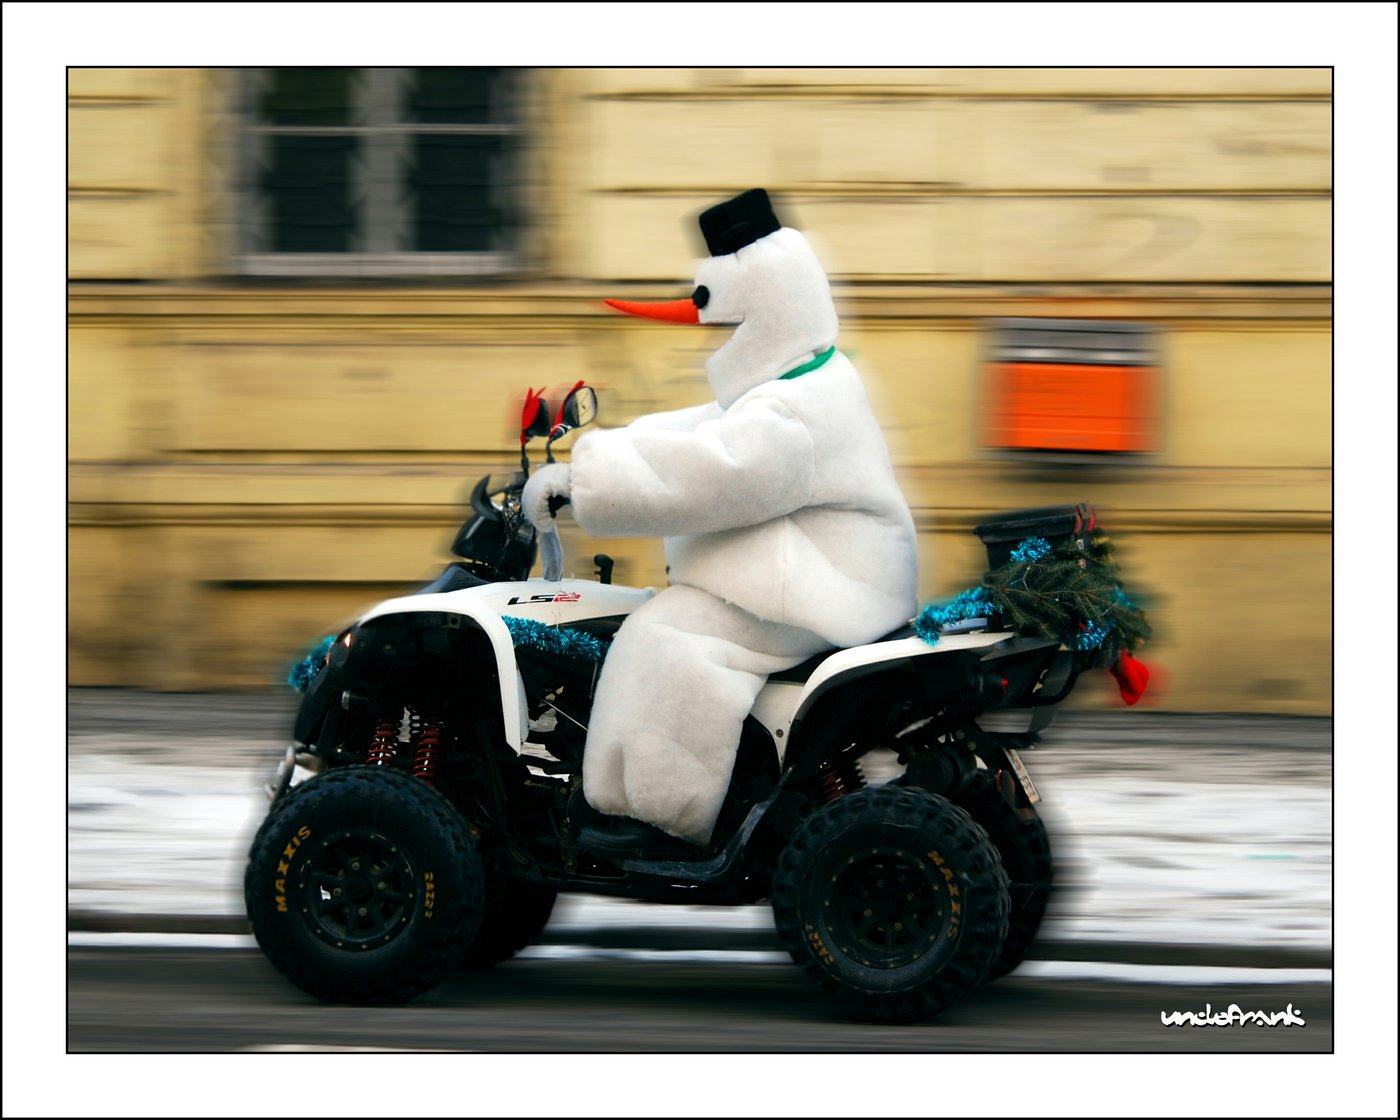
379,172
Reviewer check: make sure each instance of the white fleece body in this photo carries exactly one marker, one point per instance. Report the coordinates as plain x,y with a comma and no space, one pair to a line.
784,529
783,504
682,674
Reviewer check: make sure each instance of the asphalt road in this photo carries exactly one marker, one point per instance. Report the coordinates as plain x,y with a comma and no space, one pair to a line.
123,1000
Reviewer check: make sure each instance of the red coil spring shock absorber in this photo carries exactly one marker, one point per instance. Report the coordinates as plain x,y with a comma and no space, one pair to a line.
425,754
838,778
384,746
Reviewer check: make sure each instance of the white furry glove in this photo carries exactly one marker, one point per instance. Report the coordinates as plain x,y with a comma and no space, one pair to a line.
549,481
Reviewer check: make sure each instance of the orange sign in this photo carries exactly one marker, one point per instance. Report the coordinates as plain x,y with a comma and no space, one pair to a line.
1047,406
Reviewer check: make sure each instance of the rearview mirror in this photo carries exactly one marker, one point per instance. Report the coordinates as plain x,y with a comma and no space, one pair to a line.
580,408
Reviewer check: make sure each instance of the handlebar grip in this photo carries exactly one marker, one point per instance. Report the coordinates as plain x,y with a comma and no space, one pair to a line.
556,503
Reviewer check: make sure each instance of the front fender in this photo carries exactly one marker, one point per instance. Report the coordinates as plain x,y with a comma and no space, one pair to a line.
320,700
514,713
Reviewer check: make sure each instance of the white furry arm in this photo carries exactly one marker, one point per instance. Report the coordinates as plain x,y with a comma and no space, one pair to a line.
680,419
747,466
548,481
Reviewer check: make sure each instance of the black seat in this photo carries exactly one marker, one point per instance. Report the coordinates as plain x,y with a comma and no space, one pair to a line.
801,672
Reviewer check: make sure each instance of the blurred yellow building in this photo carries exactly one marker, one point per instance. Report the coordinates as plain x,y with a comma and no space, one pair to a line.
302,305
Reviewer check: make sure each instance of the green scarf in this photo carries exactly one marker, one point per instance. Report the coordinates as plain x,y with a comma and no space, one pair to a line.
807,367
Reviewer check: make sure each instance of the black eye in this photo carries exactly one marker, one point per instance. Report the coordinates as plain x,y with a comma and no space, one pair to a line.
700,296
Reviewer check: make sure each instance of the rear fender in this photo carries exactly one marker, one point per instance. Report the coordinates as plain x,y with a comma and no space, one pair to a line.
865,687
783,708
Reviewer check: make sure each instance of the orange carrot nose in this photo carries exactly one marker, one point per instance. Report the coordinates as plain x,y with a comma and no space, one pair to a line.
672,311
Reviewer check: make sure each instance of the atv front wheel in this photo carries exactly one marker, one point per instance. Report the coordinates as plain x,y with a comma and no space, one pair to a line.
364,886
893,898
515,915
1024,847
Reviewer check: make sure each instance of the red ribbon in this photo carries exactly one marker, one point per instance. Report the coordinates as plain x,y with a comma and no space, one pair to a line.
1131,675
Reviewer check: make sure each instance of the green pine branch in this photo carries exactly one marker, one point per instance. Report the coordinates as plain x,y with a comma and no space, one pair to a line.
1071,594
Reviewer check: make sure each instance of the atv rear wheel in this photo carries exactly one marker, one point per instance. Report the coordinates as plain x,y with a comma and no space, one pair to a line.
516,914
364,886
1024,847
893,898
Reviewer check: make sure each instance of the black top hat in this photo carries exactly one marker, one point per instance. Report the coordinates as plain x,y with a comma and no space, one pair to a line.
741,221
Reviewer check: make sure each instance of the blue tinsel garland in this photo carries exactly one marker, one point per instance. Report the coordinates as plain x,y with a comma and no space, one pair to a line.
1030,550
305,670
972,603
979,602
577,645
976,602
1092,636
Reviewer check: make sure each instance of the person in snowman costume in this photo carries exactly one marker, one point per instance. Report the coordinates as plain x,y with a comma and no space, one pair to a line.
785,532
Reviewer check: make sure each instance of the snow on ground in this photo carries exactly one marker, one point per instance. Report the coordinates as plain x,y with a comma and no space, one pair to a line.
154,837
1177,835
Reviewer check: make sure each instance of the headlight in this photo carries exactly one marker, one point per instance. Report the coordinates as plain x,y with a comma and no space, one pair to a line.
340,648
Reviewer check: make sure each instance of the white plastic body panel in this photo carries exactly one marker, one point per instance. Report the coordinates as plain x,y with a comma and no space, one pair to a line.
569,600
572,600
774,708
780,703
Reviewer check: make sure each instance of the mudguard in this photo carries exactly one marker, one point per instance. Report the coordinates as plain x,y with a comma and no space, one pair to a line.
550,602
782,704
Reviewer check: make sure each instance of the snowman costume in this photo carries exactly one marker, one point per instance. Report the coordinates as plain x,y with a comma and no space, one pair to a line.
785,531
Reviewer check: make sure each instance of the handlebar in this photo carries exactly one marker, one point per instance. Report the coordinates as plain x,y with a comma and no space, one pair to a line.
556,503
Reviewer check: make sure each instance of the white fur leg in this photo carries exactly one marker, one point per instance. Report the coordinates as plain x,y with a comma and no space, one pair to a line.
681,676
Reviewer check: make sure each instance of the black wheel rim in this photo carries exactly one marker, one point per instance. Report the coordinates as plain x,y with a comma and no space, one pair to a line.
887,907
356,890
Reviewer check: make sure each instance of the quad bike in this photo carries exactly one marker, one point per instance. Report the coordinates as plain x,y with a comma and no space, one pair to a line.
445,731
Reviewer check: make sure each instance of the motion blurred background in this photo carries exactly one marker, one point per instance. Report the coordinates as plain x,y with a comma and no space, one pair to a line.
302,301
303,304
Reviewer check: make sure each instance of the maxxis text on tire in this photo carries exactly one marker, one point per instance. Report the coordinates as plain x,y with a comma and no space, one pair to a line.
893,898
364,886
